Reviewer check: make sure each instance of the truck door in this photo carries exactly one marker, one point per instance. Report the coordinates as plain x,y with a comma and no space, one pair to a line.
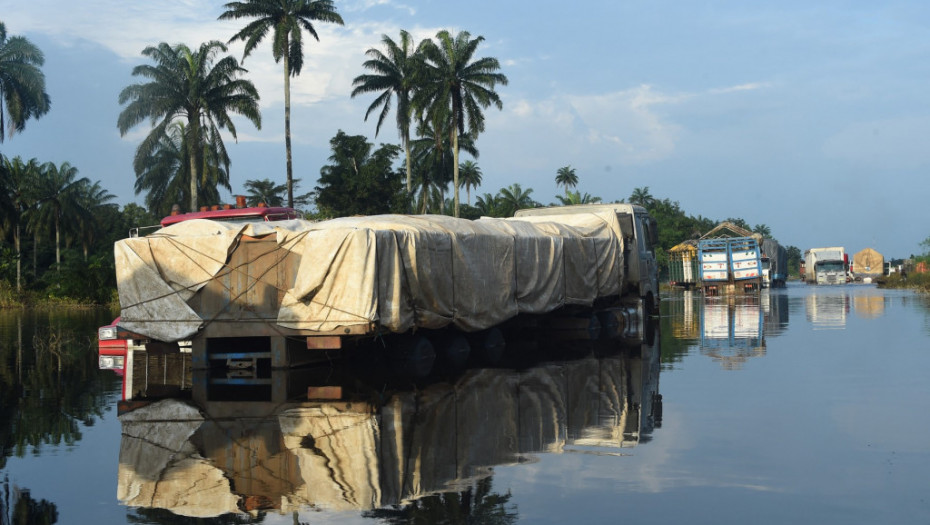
648,269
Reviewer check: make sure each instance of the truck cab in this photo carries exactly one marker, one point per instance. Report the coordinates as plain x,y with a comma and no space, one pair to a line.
640,237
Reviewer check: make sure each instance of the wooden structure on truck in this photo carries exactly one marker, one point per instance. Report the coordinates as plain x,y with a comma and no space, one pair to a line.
727,258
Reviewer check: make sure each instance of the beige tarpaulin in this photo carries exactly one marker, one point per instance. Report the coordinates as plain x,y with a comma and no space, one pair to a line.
160,468
397,270
868,263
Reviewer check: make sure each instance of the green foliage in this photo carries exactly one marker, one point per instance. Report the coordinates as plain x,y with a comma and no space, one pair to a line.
22,83
360,180
202,90
393,75
566,177
455,87
794,261
286,20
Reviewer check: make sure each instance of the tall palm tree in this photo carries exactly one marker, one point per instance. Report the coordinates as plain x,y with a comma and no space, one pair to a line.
566,177
393,76
469,176
19,181
514,197
197,88
163,170
264,191
642,197
457,86
285,19
59,203
22,83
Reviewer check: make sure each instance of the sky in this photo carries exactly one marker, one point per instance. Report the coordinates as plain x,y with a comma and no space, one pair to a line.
812,118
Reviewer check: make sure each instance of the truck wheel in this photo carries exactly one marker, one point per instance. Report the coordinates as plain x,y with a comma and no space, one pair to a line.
453,350
489,345
413,355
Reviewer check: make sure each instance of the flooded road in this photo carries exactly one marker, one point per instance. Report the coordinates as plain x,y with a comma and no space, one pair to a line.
806,404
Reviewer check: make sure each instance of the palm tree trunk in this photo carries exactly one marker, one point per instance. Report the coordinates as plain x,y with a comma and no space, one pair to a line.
193,128
455,166
57,245
19,258
407,152
287,127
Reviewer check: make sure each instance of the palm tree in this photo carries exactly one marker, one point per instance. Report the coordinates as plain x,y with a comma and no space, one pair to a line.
565,177
469,176
92,199
642,197
18,180
264,191
285,19
433,157
22,83
763,230
163,170
489,205
197,88
575,197
514,198
458,88
394,75
59,203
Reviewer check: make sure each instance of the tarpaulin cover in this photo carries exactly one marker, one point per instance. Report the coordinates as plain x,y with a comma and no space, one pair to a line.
868,263
397,270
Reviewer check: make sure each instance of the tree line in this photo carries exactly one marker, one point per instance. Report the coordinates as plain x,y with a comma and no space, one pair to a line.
437,90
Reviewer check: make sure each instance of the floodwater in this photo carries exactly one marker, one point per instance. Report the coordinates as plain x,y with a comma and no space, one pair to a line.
802,405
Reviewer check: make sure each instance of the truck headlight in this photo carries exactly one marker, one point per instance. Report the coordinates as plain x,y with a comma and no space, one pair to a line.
106,333
110,362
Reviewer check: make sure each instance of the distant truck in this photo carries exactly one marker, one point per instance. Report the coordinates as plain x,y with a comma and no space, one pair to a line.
774,264
825,265
733,263
287,292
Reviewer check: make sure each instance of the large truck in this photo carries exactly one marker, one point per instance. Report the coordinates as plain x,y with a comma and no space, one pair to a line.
730,264
774,264
867,265
825,265
289,291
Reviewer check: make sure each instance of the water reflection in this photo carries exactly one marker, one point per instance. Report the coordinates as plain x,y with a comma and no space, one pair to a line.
827,311
729,329
394,449
49,382
18,507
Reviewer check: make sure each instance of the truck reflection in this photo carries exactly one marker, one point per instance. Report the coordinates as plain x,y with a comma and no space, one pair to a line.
732,329
359,443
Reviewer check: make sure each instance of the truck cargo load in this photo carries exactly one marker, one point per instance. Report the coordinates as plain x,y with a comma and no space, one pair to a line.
868,264
364,276
733,262
777,261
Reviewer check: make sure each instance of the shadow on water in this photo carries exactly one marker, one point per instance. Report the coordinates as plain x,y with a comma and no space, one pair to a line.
365,439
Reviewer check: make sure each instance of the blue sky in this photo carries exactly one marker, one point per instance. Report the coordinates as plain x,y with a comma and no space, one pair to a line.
810,117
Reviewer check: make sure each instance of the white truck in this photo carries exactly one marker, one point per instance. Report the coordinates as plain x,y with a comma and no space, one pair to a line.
825,265
280,291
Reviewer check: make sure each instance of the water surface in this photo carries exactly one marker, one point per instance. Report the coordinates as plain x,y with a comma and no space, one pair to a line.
800,405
